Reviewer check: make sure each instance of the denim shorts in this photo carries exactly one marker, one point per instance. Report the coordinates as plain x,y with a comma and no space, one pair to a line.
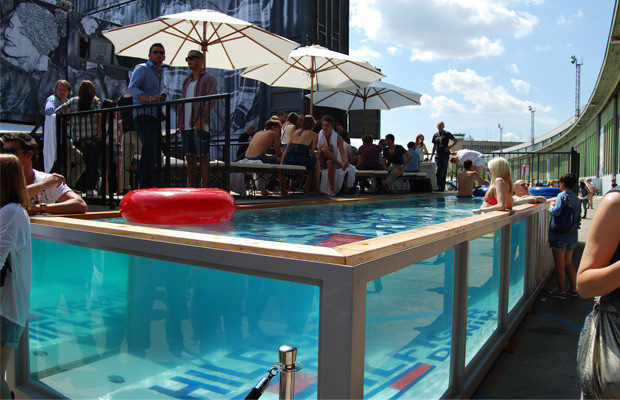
10,333
561,245
196,142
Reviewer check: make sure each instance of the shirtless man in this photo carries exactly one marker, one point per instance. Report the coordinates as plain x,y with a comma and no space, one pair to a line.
522,194
260,143
467,178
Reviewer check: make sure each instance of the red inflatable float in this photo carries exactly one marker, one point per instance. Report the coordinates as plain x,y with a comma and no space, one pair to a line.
177,206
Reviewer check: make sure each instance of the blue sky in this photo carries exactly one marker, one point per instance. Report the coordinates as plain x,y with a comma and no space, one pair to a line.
480,63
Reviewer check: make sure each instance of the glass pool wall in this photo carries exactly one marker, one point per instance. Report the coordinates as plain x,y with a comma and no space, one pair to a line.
120,317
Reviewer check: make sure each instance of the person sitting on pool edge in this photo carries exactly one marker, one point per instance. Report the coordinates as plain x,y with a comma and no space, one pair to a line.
48,193
467,179
261,142
522,194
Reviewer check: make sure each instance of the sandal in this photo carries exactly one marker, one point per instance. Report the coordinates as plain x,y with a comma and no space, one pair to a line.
556,294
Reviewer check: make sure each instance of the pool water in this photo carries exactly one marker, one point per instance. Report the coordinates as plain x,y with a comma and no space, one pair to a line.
337,223
109,325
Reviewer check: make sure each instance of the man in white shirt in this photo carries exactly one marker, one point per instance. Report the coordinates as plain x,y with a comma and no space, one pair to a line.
48,192
476,158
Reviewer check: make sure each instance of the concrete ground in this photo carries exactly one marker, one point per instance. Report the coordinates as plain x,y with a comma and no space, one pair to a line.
541,360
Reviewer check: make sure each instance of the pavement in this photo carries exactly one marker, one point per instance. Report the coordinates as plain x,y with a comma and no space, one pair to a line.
540,361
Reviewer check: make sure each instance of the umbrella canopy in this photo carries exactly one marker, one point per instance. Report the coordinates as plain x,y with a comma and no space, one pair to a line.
226,42
376,96
315,68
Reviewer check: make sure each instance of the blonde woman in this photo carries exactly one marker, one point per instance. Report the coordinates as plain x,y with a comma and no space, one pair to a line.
15,260
499,195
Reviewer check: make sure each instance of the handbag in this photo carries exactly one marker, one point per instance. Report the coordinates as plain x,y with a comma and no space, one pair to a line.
565,221
598,355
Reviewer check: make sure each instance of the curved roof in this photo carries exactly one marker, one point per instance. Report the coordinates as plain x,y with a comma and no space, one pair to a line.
606,85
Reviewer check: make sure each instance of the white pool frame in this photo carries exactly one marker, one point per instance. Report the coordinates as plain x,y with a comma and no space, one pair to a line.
340,272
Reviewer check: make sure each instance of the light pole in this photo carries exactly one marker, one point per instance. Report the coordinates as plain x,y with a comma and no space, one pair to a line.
501,146
578,63
532,111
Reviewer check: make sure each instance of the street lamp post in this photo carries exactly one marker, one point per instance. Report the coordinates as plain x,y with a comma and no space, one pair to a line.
578,63
501,146
532,111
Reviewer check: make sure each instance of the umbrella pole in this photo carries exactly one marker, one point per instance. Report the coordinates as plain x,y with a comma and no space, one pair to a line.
311,93
204,47
364,119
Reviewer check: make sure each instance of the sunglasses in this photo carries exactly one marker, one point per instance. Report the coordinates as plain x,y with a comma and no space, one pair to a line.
11,151
188,58
160,52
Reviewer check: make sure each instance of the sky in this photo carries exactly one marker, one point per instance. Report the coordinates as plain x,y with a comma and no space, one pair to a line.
480,63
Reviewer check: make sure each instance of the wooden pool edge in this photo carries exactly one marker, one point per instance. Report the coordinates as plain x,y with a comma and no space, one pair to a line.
347,254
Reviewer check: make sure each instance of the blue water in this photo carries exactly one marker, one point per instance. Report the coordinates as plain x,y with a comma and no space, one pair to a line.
177,331
337,223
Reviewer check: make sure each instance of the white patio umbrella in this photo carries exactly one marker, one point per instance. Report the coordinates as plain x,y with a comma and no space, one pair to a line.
226,42
315,68
376,96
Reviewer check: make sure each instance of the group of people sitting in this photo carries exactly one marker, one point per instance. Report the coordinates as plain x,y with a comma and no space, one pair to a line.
295,142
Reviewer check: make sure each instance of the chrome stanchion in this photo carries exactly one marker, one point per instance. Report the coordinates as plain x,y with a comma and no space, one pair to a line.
287,369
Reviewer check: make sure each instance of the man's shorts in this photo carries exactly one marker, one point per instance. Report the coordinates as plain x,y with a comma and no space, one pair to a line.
196,142
10,333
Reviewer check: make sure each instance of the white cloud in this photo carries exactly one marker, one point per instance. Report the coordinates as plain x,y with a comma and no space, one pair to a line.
512,68
511,137
364,53
520,85
441,29
562,20
482,93
393,50
441,106
542,47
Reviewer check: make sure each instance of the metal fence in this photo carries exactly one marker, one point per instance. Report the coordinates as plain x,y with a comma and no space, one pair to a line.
540,166
99,152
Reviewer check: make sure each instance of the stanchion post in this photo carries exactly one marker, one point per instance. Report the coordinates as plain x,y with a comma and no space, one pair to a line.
288,354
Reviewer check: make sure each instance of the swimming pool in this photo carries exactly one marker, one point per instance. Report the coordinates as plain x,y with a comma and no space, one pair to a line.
179,314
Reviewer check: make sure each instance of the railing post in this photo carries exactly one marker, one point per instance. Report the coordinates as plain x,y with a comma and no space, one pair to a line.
226,183
504,280
459,317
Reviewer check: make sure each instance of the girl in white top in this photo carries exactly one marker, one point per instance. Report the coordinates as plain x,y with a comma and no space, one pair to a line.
15,260
288,128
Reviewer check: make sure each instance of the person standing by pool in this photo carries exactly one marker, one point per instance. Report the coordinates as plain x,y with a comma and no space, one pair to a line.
421,147
193,118
466,180
48,193
499,195
475,157
583,196
599,275
146,86
441,144
15,261
591,188
563,244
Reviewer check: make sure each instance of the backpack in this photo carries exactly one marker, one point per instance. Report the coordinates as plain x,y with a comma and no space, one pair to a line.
565,221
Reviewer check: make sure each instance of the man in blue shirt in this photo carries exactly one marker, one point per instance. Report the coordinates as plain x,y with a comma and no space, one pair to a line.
146,86
414,164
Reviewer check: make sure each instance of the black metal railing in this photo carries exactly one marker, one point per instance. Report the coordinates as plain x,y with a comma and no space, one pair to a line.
102,163
541,166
